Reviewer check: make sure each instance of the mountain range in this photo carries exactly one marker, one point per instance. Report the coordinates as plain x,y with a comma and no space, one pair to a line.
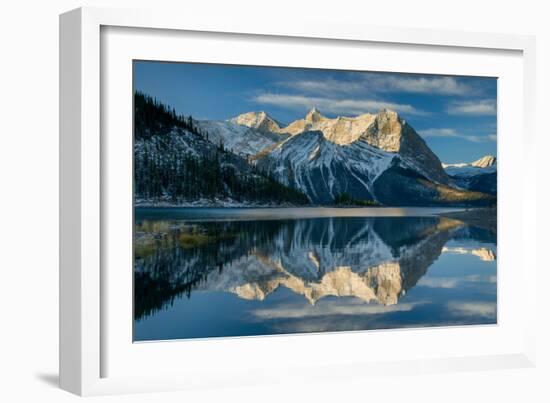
253,159
377,157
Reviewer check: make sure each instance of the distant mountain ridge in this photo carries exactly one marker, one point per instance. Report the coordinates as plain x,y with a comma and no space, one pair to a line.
484,162
480,175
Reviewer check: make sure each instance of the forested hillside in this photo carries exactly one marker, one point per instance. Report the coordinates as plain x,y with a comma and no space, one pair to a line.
175,162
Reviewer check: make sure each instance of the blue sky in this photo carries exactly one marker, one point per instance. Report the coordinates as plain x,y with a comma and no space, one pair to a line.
455,115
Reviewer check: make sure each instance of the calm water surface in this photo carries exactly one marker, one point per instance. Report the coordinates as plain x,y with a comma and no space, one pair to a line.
211,272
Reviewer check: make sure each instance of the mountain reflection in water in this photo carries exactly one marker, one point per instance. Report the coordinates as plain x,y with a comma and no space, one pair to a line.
296,275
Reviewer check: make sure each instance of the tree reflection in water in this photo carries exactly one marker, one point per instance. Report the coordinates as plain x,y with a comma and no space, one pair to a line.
376,259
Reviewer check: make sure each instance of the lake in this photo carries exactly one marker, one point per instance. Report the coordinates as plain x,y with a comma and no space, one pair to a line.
220,272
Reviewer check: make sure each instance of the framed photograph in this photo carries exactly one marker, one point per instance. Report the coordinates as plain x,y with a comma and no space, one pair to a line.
242,202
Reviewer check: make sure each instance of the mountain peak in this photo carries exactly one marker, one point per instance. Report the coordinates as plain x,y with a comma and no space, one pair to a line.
257,120
388,114
313,115
485,162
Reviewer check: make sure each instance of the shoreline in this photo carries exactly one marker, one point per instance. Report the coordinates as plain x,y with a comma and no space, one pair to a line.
298,207
482,217
204,203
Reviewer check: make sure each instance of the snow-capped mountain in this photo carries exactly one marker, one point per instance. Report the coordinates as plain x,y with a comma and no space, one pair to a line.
485,164
371,157
260,121
480,175
239,138
385,131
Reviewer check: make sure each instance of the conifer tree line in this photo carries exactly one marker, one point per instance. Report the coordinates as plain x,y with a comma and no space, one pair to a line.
153,118
165,167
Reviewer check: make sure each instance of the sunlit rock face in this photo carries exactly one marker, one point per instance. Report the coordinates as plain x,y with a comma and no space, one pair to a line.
391,133
331,257
485,162
340,130
257,120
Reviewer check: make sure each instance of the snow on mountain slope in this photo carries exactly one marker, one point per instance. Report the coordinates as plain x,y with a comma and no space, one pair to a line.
484,165
323,169
469,170
480,175
239,138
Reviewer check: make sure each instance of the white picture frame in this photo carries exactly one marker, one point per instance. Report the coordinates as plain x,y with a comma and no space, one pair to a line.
86,311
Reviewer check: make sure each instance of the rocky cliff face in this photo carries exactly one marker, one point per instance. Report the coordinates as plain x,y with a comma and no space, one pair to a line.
485,162
391,133
341,130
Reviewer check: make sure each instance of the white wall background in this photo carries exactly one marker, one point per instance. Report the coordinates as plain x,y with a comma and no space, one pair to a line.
29,201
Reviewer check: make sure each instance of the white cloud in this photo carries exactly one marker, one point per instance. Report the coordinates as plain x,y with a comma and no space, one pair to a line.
482,107
483,309
454,282
440,132
424,85
450,132
377,82
333,105
324,87
480,139
439,282
479,278
334,308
